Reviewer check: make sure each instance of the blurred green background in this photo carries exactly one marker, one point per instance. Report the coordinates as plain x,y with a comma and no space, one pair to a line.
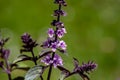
93,32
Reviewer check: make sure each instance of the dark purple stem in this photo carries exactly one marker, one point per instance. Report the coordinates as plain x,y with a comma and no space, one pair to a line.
50,69
34,58
35,61
8,68
70,74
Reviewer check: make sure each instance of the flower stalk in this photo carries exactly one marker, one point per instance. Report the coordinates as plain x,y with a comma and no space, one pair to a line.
51,46
56,35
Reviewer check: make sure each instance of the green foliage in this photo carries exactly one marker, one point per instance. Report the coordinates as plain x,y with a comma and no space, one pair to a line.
34,73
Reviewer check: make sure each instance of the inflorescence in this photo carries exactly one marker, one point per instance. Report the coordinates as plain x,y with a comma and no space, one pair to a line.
49,55
55,34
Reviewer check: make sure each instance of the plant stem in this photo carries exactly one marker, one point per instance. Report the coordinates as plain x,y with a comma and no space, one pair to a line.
70,75
35,62
34,58
50,69
8,68
9,76
41,77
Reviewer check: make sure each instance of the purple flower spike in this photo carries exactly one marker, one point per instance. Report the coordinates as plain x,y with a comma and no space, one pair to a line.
62,45
26,38
90,66
61,32
28,43
50,32
57,60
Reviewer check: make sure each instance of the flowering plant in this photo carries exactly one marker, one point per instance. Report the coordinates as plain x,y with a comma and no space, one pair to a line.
49,56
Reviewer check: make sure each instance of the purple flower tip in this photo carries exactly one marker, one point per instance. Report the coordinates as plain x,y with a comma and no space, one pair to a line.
26,38
61,2
28,43
88,67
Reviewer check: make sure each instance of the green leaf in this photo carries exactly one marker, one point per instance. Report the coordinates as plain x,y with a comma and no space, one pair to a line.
22,58
34,72
20,66
62,77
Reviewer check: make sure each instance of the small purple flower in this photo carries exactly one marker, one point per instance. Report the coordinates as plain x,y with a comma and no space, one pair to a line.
59,12
5,53
57,60
54,46
61,2
57,23
50,32
62,45
46,44
46,59
61,32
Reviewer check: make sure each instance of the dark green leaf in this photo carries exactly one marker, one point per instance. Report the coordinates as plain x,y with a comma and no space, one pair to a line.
22,68
22,58
34,72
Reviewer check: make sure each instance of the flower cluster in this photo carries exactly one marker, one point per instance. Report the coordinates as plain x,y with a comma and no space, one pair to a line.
60,2
55,34
28,42
51,46
79,69
4,54
85,67
57,61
